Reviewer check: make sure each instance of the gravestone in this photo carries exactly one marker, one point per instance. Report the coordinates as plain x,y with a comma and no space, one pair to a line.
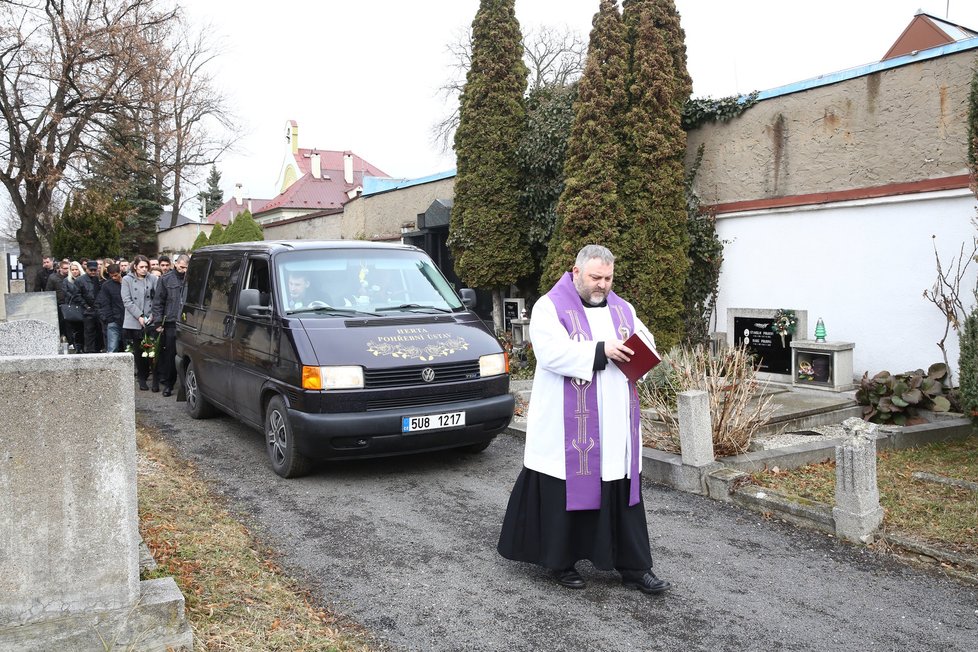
753,327
857,510
69,562
28,337
42,306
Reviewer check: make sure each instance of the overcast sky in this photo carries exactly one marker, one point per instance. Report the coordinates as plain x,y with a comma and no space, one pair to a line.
364,75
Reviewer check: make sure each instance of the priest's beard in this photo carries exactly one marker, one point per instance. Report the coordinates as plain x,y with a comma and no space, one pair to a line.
591,296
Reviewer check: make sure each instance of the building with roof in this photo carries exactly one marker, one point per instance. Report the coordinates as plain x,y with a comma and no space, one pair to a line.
313,184
833,195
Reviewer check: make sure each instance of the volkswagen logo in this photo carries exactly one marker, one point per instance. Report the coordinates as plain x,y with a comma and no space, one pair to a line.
427,374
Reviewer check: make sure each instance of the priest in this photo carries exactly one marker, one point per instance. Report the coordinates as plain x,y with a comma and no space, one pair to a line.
579,493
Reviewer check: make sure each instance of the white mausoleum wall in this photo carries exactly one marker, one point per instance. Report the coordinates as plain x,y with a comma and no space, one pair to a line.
862,266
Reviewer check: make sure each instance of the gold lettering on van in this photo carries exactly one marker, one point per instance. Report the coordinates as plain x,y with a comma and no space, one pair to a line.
416,344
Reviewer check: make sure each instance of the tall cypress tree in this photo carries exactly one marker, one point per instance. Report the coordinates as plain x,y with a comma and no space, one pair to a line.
590,209
487,237
653,261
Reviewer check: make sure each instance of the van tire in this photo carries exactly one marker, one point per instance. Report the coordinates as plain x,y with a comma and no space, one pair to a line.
198,406
280,442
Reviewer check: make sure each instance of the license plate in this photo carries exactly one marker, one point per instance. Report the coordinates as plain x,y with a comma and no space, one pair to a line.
432,421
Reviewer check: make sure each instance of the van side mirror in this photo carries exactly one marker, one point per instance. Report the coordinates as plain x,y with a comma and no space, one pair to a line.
468,297
251,303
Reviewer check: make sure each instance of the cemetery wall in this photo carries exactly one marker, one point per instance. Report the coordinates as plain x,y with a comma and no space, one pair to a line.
892,126
832,198
181,238
321,227
379,216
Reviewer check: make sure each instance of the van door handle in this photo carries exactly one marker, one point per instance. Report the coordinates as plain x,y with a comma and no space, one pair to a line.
228,321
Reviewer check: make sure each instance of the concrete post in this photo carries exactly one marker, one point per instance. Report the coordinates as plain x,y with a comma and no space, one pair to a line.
696,440
695,428
857,510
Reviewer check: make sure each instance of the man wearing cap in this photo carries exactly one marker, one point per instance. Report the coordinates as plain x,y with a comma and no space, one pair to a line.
89,284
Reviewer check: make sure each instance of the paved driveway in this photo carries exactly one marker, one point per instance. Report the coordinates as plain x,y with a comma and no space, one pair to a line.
406,546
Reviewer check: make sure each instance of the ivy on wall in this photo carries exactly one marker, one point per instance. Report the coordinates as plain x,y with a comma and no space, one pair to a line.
700,110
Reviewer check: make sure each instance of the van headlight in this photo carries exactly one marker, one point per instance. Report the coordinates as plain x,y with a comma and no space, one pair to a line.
493,365
332,377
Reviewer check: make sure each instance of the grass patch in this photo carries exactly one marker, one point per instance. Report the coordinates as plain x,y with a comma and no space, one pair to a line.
943,515
237,598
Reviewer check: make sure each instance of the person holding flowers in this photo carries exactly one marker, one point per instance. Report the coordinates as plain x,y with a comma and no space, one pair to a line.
138,289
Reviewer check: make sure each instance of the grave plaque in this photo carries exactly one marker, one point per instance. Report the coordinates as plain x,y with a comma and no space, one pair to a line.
773,357
512,309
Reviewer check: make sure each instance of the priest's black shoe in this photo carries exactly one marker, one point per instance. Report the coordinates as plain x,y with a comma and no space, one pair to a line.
156,387
645,582
167,391
570,578
143,386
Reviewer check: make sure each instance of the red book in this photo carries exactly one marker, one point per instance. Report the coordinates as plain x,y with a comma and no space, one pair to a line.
644,358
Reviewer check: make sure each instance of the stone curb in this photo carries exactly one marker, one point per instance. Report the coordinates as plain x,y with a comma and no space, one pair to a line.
729,481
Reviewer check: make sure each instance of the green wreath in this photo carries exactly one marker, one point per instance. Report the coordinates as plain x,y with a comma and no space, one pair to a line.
785,323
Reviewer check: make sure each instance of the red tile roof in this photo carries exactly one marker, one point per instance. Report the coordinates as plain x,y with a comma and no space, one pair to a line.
327,192
230,209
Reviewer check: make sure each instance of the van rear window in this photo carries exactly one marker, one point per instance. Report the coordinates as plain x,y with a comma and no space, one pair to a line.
222,279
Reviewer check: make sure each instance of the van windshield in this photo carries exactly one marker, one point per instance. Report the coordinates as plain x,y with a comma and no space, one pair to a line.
361,280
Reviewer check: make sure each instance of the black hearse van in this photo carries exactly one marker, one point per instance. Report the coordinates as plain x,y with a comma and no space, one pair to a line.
338,350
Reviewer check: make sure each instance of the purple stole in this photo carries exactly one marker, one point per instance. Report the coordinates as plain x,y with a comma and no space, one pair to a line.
582,437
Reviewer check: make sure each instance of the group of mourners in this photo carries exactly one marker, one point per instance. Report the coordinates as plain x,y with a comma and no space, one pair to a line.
108,306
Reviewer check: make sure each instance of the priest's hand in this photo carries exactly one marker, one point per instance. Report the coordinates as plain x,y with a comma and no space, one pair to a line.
617,351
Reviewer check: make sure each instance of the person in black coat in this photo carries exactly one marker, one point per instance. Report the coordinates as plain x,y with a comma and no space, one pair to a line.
166,313
89,284
110,308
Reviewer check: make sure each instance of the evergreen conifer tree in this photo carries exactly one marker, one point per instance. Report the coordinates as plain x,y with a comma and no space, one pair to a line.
488,237
244,228
120,169
88,227
652,252
217,234
201,241
542,156
590,209
213,197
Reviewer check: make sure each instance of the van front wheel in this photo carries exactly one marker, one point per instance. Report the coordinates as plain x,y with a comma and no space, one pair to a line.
280,442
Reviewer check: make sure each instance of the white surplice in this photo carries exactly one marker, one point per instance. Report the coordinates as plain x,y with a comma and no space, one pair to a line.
558,356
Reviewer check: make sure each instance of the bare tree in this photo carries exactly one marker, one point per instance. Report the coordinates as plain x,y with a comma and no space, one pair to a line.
190,120
554,58
948,296
65,68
